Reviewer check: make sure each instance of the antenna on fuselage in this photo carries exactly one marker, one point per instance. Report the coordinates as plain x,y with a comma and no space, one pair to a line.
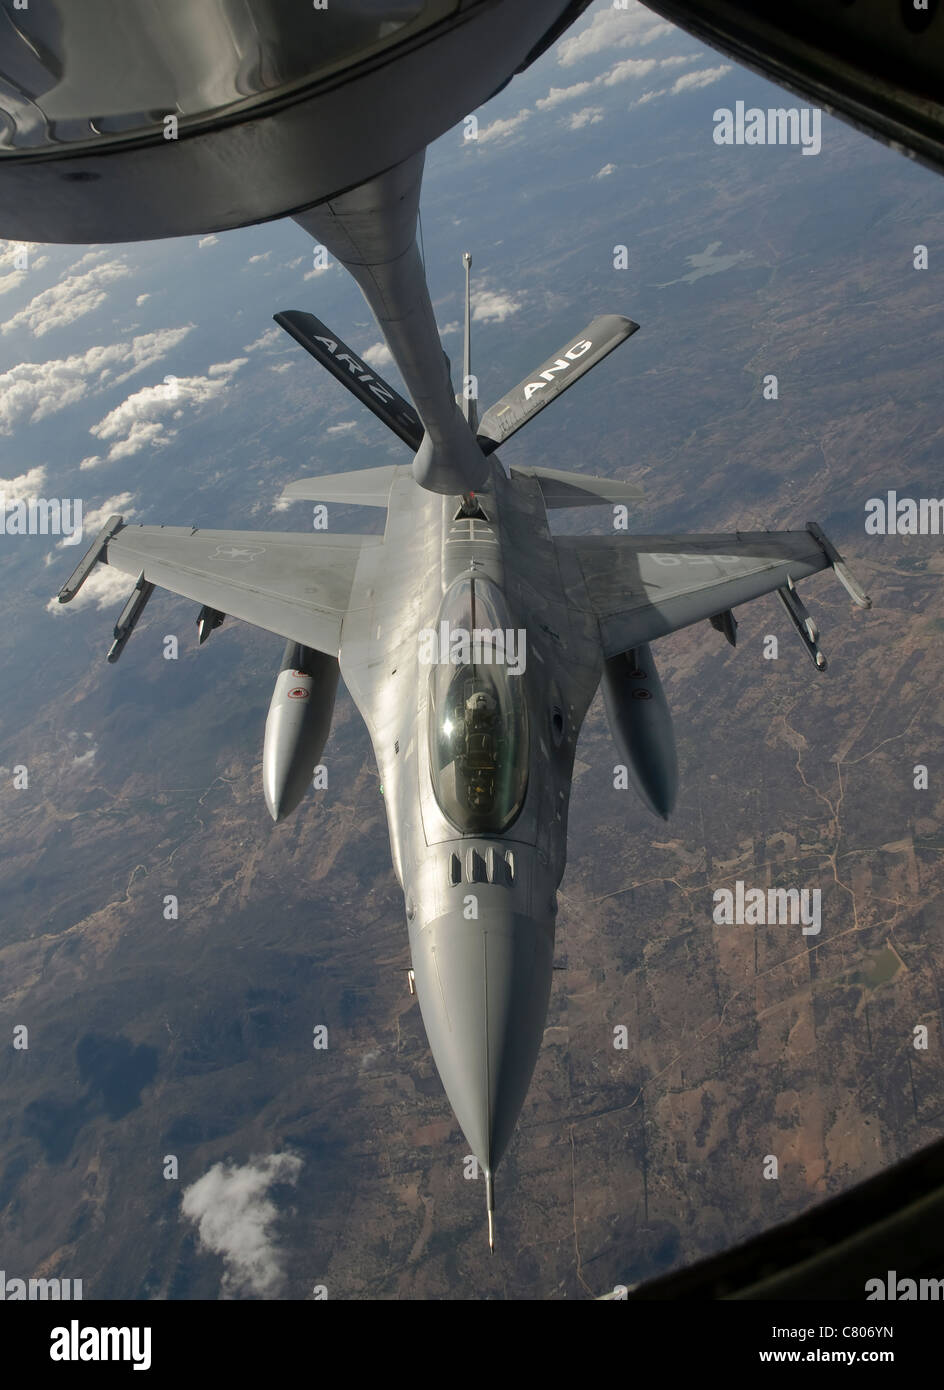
490,1208
469,399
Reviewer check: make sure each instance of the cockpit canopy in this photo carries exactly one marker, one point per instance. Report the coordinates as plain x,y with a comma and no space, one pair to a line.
478,718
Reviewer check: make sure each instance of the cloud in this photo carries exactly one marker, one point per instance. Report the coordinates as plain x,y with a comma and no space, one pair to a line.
32,390
453,326
94,518
648,96
270,336
142,434
27,485
206,241
503,127
147,350
609,29
689,81
259,256
11,260
227,369
234,1217
628,69
605,172
142,299
378,355
69,299
342,428
492,305
136,423
557,95
104,588
587,115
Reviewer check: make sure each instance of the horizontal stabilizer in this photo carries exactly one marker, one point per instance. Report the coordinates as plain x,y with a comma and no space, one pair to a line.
369,487
552,378
360,379
562,489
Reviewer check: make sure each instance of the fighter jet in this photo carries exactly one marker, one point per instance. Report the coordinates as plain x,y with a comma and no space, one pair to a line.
471,639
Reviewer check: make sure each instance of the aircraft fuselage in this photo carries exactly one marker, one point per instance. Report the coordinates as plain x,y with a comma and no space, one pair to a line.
475,759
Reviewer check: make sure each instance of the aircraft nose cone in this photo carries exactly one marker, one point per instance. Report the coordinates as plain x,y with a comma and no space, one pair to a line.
483,989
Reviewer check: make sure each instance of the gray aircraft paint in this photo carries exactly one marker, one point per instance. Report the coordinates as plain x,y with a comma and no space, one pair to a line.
480,902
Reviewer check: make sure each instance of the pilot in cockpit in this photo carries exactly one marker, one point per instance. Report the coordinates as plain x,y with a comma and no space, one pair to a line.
481,720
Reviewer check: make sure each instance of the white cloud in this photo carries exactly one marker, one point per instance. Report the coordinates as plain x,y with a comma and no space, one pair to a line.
94,518
142,434
492,305
69,299
624,71
609,29
627,69
317,270
136,424
281,367
270,336
557,95
342,428
689,81
587,115
27,485
648,96
104,588
453,326
92,461
605,172
142,299
32,390
227,369
88,757
206,241
234,1217
146,350
503,127
378,355
11,257
259,256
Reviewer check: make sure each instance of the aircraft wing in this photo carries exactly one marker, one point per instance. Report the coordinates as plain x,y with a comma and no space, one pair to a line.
295,584
642,587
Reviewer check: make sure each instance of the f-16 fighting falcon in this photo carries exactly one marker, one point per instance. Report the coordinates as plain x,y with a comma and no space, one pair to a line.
472,641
